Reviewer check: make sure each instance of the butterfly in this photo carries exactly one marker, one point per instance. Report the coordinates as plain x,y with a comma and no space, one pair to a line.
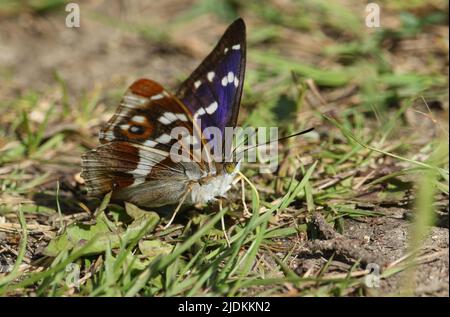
139,158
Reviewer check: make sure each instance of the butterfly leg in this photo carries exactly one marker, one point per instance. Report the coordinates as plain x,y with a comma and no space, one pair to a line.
183,198
247,213
222,220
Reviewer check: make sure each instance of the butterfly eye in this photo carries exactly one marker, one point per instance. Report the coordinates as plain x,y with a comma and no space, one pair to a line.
229,167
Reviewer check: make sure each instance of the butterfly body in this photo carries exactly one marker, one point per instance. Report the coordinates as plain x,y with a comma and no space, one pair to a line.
201,188
206,189
137,161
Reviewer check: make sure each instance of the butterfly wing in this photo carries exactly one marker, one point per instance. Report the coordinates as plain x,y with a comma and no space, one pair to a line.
213,91
146,115
135,159
137,141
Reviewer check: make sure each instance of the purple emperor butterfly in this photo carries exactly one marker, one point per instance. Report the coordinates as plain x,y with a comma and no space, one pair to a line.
136,158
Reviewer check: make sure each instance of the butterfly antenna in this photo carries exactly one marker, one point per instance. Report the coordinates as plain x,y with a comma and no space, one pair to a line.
277,140
247,137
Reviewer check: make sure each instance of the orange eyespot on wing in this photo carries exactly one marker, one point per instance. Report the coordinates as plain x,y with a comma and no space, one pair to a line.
146,115
139,128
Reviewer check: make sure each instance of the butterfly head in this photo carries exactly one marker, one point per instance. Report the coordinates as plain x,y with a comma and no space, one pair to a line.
230,167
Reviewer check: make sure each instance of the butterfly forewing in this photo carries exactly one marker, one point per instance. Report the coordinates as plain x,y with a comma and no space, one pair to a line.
146,115
213,91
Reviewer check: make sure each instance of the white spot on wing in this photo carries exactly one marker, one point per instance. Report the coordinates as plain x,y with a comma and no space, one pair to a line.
225,50
236,82
143,169
138,119
150,143
147,159
156,97
125,126
197,84
212,108
164,120
230,77
170,116
134,100
210,76
236,47
163,138
224,81
138,181
182,117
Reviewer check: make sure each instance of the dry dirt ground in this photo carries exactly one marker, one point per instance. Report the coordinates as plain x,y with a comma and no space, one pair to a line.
33,48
